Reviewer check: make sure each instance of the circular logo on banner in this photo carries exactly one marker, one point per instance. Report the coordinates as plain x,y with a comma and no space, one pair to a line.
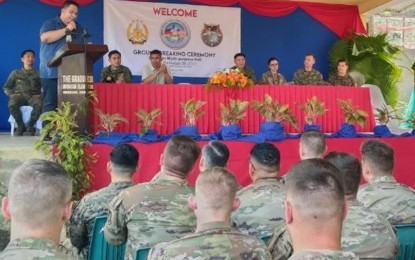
137,32
211,35
175,34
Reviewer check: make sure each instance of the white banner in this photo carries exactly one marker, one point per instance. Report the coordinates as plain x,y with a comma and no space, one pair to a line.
196,41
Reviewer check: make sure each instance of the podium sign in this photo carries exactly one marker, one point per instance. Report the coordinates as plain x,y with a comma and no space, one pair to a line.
75,76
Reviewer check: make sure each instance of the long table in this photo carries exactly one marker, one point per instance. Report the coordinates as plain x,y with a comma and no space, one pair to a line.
127,99
404,148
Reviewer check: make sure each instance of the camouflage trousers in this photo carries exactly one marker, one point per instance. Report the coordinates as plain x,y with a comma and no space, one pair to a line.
18,100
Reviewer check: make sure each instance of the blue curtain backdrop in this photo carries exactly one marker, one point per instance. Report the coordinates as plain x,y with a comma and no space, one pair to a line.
288,38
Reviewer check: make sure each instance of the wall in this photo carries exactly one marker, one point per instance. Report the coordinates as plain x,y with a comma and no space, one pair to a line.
289,38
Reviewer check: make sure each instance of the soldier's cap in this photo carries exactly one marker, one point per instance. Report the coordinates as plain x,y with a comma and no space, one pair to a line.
26,51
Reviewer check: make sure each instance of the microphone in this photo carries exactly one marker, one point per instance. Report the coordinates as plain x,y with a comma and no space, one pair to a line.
85,33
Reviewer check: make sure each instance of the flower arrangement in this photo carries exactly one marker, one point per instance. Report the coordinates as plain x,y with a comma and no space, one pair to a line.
272,111
312,109
192,111
109,121
351,113
229,78
147,119
235,112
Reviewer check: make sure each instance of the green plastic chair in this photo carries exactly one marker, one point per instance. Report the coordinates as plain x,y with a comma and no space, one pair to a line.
142,253
99,248
406,236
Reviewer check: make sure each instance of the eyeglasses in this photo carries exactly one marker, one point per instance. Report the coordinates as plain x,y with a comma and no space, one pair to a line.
274,64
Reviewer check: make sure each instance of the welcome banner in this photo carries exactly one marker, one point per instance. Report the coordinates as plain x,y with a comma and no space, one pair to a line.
196,41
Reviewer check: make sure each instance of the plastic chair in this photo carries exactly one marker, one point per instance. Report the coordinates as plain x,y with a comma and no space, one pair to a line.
142,253
99,248
266,239
26,112
406,236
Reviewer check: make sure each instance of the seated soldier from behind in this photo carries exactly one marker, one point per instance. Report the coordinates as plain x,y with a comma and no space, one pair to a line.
308,75
365,233
312,145
381,193
38,203
115,72
156,72
315,208
341,78
214,238
240,64
24,89
121,167
272,76
156,211
214,154
262,202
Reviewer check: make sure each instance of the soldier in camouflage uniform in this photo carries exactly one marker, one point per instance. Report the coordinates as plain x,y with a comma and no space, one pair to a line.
38,203
315,207
122,165
23,87
116,73
262,202
381,193
341,78
214,154
308,75
214,237
157,211
239,60
272,76
312,145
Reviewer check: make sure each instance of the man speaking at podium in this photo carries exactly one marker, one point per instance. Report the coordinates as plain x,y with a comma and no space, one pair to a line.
54,33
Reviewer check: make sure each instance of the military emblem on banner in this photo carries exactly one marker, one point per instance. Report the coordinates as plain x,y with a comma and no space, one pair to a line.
175,34
137,32
211,35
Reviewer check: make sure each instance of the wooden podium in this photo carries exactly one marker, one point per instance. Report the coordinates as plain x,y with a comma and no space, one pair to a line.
75,76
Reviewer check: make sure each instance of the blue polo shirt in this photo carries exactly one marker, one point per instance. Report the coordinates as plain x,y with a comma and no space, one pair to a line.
48,50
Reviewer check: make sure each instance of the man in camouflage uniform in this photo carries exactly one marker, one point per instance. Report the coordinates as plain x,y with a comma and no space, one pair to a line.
262,202
122,165
214,154
240,64
115,72
157,211
341,78
24,89
315,208
381,193
308,75
214,237
38,203
312,145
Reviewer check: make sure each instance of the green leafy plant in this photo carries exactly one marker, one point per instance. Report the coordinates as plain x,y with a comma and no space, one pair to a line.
109,121
312,109
147,119
192,111
351,113
372,56
383,115
68,146
234,112
272,111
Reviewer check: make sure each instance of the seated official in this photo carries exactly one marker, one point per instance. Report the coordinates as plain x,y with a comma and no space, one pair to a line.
308,75
240,64
24,89
341,78
38,203
214,238
272,76
121,167
156,211
156,72
115,72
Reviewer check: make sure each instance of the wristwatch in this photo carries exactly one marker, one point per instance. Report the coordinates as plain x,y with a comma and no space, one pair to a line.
67,31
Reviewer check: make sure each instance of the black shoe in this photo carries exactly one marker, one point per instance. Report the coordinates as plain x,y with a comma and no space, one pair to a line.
30,131
20,130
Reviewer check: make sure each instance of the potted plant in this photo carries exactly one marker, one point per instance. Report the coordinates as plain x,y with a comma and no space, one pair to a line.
352,115
146,120
109,121
274,115
68,146
312,109
191,112
383,115
230,115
